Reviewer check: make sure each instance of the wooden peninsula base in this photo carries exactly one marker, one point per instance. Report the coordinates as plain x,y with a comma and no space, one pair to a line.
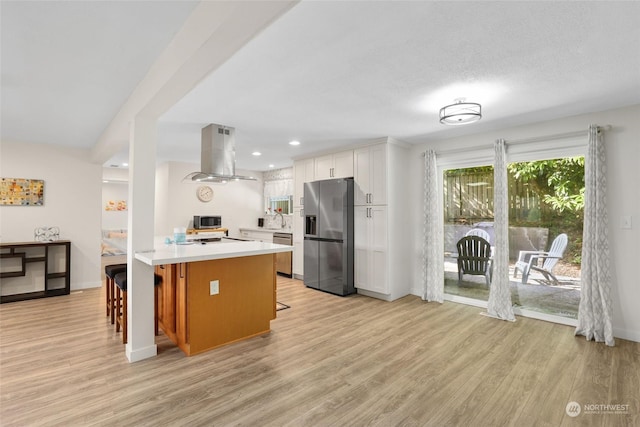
197,319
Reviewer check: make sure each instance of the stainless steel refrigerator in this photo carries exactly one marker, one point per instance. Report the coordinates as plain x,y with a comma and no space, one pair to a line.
328,236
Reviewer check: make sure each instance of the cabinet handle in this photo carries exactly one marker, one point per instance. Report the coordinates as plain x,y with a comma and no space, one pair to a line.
181,270
301,201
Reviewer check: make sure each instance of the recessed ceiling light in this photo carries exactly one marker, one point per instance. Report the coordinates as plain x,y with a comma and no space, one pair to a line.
256,153
272,166
105,181
125,164
294,143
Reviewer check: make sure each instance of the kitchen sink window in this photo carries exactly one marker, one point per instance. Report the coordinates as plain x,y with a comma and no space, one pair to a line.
282,204
278,191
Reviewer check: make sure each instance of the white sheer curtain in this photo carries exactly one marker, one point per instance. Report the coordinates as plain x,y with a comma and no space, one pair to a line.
278,188
594,311
433,238
499,304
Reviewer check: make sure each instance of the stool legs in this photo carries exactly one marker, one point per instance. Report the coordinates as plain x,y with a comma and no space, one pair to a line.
111,298
121,313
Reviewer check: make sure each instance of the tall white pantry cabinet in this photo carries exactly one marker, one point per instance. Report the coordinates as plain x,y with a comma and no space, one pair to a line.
381,232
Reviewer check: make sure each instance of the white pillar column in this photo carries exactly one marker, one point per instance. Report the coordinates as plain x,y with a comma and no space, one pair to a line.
140,292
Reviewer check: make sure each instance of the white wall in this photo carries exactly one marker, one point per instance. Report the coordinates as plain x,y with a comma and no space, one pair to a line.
114,191
72,202
623,176
239,203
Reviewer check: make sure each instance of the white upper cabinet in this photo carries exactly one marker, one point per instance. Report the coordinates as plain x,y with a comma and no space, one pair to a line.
337,165
302,172
370,175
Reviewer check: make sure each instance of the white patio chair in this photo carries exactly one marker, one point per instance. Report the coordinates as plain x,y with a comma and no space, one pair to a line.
480,233
528,260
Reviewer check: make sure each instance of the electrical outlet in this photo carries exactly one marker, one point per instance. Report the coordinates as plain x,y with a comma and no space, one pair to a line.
214,287
625,222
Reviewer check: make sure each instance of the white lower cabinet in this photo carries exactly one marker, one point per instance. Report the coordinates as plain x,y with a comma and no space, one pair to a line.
298,259
370,249
259,236
298,242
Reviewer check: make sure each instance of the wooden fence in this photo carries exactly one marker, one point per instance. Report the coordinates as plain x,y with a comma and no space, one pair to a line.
468,199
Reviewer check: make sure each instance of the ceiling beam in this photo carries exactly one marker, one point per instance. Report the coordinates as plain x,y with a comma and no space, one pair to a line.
210,36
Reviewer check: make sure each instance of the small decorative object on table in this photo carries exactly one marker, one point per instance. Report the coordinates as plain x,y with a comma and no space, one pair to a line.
46,234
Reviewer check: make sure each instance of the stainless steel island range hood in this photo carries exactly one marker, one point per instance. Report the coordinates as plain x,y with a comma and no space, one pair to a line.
218,156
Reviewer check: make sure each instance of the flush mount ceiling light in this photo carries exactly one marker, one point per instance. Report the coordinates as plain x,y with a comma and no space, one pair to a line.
460,113
294,143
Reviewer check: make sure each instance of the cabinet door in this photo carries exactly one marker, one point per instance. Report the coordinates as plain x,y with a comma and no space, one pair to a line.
379,282
182,302
361,247
361,175
303,171
323,167
378,175
343,164
298,224
298,258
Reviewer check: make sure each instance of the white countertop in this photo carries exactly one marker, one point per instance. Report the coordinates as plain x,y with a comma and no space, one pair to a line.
171,253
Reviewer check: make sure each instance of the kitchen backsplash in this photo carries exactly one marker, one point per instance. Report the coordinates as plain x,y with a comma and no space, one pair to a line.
274,221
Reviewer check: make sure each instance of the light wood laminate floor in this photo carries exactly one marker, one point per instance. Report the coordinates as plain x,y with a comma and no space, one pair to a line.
328,361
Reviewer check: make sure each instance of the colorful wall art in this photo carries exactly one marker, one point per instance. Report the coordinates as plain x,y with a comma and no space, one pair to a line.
21,192
116,205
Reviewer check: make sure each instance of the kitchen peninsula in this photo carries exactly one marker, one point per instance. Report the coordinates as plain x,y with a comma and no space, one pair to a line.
215,293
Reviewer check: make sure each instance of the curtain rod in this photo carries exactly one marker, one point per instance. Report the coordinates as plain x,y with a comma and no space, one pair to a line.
523,141
555,136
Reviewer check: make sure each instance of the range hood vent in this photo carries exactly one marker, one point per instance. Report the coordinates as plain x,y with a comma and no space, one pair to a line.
218,156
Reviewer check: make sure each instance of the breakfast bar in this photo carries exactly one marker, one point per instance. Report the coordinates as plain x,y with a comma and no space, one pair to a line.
214,293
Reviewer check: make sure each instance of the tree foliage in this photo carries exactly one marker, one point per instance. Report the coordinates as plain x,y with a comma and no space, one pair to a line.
559,181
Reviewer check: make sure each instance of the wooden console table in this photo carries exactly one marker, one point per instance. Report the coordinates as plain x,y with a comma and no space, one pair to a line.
16,261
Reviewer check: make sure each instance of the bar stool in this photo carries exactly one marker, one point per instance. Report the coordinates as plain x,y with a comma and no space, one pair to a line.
121,303
110,271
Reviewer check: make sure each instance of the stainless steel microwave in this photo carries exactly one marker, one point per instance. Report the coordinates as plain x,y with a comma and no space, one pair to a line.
200,222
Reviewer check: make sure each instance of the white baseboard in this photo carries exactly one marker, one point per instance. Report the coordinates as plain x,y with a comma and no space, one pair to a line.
140,353
626,334
86,285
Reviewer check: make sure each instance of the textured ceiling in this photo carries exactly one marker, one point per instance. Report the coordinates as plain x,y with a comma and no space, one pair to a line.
68,66
335,73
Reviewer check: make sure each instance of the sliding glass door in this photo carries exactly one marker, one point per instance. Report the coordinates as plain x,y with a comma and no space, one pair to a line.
545,203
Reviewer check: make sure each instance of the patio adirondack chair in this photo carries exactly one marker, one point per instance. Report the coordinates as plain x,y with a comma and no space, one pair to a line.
474,257
480,233
528,260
